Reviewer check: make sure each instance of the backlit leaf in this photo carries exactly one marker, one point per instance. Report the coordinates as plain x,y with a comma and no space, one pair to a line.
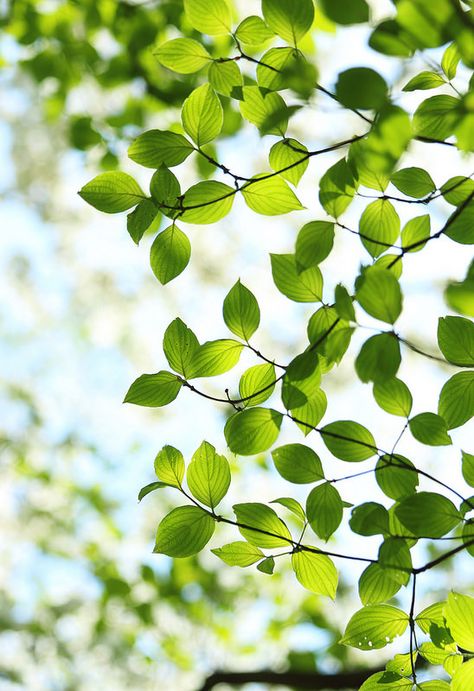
393,396
169,466
456,340
290,20
428,514
431,429
414,182
258,382
379,358
324,510
337,188
239,553
183,55
378,293
313,244
379,226
156,147
316,572
456,400
202,114
169,254
349,440
241,311
112,192
209,16
284,157
154,390
298,463
270,196
374,627
261,518
361,87
184,532
253,430
208,475
304,286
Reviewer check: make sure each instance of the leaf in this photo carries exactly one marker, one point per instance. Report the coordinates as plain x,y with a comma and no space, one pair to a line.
304,286
208,475
284,159
202,114
184,531
376,585
258,382
226,79
313,244
169,466
396,476
180,345
337,188
369,518
394,556
261,109
416,233
459,226
459,613
112,192
387,681
241,311
378,293
316,572
393,396
156,147
468,468
215,357
436,117
456,400
324,510
456,190
253,31
207,202
349,440
290,20
343,303
253,430
379,358
292,505
450,61
141,219
154,390
261,518
298,463
308,415
431,429
211,17
165,190
273,67
428,514
301,379
361,87
169,254
239,554
463,679
414,182
270,196
183,55
389,38
425,80
267,565
346,12
456,340
374,626
379,226
150,488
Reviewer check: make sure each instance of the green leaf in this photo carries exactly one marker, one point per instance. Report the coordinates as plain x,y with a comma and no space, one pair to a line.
273,67
378,293
396,476
361,87
389,38
425,80
456,400
241,311
343,303
313,244
141,219
346,12
387,681
349,440
290,20
150,488
285,157
156,147
208,475
165,190
239,554
432,618
324,510
202,115
169,254
306,286
379,226
450,61
459,613
211,17
463,679
456,190
316,572
393,396
253,430
207,202
301,380
253,31
337,188
374,626
369,518
226,79
394,556
308,415
184,531
215,357
292,505
376,585
456,340
154,390
298,463
183,55
258,382
468,468
261,518
414,182
379,358
460,225
428,514
460,295
169,466
267,565
261,109
431,429
180,346
416,233
436,117
270,196
112,192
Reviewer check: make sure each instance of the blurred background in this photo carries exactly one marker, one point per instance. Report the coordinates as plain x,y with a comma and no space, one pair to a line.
83,601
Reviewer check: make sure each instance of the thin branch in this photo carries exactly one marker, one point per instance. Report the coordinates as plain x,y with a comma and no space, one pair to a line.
296,680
